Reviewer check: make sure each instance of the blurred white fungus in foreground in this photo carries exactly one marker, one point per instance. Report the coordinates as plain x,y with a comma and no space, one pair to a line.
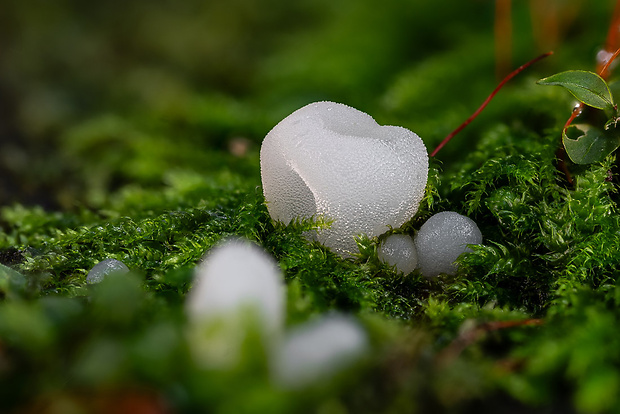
399,250
238,290
318,349
442,239
104,268
238,276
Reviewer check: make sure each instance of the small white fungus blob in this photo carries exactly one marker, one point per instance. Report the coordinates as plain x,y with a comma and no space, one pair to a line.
318,349
236,276
442,239
104,268
328,159
399,250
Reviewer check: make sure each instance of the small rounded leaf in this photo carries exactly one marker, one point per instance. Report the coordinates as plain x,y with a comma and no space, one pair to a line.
587,87
586,144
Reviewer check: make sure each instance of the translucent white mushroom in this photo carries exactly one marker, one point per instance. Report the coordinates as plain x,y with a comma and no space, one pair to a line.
318,349
399,250
104,268
238,275
332,160
238,288
442,239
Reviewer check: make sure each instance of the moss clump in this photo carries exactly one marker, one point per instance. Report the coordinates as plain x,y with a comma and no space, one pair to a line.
148,175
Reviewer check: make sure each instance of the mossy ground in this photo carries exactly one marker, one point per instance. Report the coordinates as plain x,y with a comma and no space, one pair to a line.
120,119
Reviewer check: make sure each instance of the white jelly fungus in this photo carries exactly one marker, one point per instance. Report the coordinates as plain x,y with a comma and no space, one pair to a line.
328,159
235,276
317,349
442,239
399,250
104,268
238,289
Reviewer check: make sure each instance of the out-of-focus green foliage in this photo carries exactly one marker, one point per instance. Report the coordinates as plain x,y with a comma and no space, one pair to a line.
131,130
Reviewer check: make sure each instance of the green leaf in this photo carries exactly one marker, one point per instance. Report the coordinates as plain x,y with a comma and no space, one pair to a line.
12,283
585,144
587,87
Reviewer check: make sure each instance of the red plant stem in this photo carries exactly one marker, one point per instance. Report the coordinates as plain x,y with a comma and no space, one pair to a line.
561,152
576,112
604,72
613,39
470,336
547,22
613,34
503,36
486,102
561,156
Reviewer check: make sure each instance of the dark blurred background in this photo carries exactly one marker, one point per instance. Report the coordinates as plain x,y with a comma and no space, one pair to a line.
95,96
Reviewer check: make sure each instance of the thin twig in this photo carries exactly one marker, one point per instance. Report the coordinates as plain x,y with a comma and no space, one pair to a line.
604,72
503,36
613,40
471,336
486,101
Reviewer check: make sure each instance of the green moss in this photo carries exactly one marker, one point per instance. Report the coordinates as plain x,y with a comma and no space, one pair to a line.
117,146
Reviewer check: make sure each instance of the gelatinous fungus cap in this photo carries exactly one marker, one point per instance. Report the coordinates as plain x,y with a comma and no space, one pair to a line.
328,159
235,274
104,268
318,348
442,239
399,250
